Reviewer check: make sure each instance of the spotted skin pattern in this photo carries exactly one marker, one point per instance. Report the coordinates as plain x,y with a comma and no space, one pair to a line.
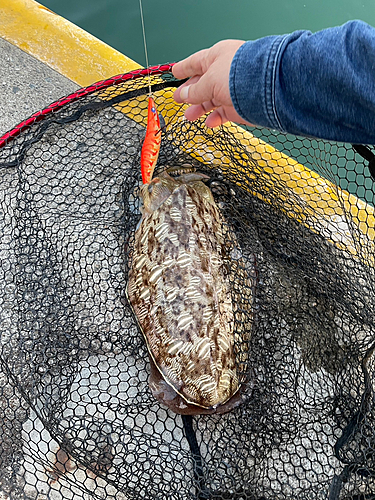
179,290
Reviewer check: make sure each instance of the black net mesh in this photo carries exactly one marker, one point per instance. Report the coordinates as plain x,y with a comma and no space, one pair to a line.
77,417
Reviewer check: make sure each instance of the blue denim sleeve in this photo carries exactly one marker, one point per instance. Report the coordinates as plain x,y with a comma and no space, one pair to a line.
319,85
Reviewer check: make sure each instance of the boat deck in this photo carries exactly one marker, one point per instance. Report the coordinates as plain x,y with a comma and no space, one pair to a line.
27,85
44,57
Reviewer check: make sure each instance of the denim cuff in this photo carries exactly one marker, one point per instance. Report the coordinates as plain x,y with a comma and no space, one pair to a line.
252,80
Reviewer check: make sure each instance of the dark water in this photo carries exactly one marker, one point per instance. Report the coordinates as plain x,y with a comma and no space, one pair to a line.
175,29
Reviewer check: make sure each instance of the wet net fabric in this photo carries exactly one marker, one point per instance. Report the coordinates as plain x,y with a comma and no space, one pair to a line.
77,418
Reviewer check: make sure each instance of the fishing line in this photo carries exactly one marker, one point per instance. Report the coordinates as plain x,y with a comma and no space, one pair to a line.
145,46
150,92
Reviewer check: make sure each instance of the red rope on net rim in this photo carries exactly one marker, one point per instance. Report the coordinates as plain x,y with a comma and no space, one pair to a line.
95,87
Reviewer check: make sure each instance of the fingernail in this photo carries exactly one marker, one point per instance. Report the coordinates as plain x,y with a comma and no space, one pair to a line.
184,94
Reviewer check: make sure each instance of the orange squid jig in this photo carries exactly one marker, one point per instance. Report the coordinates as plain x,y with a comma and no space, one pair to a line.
151,144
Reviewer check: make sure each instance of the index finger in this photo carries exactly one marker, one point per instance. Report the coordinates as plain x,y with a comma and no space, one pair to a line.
191,66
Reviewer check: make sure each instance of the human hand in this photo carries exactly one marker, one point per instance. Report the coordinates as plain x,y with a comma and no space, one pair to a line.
208,86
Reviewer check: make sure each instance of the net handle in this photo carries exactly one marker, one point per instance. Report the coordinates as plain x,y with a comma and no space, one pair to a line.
103,84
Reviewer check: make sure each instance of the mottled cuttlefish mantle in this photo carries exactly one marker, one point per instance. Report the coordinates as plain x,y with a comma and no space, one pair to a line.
179,289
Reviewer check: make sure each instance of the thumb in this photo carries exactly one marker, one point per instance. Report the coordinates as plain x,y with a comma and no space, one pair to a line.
177,94
197,90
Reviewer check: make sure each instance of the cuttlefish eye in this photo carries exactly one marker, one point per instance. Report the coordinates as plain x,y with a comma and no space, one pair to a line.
150,186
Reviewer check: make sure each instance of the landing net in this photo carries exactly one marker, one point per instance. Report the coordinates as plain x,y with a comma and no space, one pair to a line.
77,418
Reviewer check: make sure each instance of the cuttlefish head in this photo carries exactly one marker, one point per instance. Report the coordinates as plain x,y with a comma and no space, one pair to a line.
156,192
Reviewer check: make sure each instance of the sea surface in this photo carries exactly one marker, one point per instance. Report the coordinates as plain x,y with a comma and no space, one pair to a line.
175,29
